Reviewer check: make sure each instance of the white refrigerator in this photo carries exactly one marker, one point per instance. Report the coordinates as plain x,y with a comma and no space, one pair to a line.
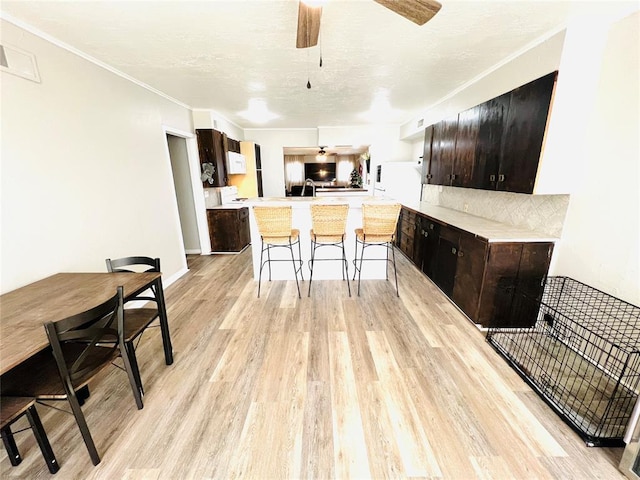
399,180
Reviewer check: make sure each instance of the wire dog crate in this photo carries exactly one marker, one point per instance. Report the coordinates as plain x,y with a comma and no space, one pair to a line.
582,356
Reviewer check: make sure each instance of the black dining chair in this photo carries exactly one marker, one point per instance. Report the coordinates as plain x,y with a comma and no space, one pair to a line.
137,320
80,347
11,410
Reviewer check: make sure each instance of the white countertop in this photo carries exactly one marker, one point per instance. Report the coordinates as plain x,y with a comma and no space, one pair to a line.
490,230
228,206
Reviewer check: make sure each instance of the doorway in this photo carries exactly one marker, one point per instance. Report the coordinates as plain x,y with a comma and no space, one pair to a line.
184,193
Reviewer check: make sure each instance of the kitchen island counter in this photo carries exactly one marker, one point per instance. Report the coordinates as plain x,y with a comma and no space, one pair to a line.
301,220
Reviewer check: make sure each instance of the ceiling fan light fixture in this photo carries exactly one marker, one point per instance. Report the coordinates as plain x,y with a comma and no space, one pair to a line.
322,155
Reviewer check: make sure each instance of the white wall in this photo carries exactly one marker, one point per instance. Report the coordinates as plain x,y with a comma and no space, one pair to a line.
84,168
601,240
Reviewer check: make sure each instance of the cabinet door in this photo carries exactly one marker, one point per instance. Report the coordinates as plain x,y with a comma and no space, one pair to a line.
465,147
446,260
211,150
426,155
503,262
406,230
244,236
524,134
223,230
443,151
534,265
428,232
469,274
492,119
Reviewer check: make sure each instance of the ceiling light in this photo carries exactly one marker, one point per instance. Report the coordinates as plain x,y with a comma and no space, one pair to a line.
257,112
322,155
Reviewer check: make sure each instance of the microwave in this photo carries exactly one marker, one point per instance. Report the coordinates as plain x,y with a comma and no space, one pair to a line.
236,163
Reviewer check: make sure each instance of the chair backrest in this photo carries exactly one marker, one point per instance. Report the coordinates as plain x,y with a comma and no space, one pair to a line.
136,264
86,342
273,221
380,218
329,220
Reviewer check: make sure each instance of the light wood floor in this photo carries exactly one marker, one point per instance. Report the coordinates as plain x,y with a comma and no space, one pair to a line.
326,387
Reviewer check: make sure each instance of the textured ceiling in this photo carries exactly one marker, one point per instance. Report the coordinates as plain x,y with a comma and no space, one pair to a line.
220,54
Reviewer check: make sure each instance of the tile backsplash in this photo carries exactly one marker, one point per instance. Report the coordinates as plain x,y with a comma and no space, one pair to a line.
543,213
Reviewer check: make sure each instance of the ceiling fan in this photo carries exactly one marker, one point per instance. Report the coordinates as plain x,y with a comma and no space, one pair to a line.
418,11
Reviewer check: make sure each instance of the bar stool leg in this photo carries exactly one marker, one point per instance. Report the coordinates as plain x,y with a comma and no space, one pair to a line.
300,257
360,269
345,274
395,270
261,266
295,270
313,254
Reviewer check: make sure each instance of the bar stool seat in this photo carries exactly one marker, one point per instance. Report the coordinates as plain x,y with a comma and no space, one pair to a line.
379,223
328,229
275,228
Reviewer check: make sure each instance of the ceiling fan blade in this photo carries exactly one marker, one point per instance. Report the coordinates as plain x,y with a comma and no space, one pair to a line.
418,11
308,25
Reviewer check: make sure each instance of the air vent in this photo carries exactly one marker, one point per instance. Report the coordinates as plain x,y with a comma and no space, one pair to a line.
18,62
420,122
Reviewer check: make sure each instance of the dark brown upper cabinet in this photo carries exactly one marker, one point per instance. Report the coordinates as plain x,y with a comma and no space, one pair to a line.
426,154
465,148
524,134
492,121
213,147
443,151
493,146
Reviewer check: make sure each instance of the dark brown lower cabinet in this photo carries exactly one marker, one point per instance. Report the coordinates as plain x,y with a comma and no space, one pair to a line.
228,229
496,284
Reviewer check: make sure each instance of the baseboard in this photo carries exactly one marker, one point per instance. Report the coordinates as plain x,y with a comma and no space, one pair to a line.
195,251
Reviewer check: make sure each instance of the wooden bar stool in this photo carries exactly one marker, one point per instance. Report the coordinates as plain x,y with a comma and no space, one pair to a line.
13,408
379,221
328,224
274,226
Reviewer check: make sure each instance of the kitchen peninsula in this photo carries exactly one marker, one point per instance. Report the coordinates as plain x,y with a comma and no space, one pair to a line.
478,263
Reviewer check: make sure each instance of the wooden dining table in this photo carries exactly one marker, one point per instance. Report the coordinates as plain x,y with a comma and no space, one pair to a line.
24,311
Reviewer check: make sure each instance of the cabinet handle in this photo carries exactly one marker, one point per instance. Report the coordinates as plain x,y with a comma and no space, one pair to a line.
460,253
454,251
492,178
453,176
421,232
431,226
501,178
426,234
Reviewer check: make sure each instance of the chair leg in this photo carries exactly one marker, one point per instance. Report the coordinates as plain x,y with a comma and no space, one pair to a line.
41,438
269,260
131,367
84,428
10,446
